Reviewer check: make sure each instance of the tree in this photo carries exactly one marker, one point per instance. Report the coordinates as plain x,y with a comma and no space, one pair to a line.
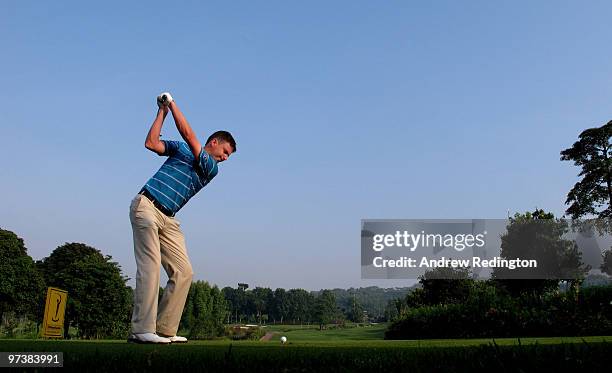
606,266
249,309
21,285
301,304
445,286
325,310
281,305
232,309
99,301
355,311
593,153
538,236
204,312
393,309
262,301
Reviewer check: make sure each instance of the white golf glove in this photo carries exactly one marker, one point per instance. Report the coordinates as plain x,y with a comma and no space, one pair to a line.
164,99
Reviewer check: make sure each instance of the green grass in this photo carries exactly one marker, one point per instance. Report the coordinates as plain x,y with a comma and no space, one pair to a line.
373,336
529,354
312,333
354,348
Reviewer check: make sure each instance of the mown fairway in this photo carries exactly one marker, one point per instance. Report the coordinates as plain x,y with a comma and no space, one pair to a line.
333,351
299,333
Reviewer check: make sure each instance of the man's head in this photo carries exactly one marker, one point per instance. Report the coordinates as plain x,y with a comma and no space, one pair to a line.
220,145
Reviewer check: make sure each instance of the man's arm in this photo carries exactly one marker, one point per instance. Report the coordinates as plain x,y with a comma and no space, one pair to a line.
185,130
153,143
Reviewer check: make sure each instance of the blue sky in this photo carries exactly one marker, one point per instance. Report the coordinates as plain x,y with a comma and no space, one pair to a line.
342,111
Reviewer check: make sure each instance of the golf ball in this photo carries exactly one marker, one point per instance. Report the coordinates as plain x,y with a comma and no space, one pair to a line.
283,339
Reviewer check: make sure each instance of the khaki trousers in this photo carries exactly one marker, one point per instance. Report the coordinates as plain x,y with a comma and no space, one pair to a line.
158,240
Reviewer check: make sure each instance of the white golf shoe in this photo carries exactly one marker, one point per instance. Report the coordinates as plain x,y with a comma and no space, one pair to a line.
148,338
177,339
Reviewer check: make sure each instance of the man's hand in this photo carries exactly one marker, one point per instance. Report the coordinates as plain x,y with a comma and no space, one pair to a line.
164,99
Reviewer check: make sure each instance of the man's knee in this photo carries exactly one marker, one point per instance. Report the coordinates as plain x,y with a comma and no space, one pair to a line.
189,273
184,274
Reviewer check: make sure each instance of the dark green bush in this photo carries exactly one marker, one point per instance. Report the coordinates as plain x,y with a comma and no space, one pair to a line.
489,312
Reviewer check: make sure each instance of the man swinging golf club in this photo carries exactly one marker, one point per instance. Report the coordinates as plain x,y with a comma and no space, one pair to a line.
157,235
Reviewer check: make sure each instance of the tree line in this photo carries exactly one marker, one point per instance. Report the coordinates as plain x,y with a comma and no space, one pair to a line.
299,306
100,301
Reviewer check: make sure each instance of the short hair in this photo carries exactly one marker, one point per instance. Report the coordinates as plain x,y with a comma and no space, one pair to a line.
223,136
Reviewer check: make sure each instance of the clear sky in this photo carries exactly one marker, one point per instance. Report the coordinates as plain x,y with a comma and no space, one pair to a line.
342,111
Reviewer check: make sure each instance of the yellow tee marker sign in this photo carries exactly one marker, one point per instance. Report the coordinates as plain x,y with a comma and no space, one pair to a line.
53,323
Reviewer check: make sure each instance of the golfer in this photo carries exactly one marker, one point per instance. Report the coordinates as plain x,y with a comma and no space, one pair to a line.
157,234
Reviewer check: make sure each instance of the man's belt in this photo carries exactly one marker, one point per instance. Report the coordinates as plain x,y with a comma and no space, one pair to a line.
159,206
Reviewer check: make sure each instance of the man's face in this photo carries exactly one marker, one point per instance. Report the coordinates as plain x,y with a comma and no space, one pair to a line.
220,150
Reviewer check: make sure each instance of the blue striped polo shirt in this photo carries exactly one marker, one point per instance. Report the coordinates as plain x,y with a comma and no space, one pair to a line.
181,176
